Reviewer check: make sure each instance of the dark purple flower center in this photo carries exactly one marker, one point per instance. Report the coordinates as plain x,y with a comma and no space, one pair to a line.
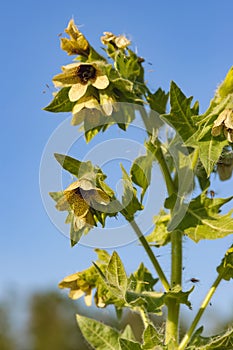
85,72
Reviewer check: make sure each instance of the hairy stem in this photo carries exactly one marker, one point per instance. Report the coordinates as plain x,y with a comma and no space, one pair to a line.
172,324
159,154
151,255
200,312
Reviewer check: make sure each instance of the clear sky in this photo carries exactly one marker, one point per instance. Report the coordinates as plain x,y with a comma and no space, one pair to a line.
189,42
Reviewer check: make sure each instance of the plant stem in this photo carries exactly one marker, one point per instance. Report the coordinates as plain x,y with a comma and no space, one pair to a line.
159,154
200,312
172,324
195,158
151,255
164,168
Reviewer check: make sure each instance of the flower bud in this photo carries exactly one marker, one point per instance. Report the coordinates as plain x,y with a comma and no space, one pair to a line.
77,44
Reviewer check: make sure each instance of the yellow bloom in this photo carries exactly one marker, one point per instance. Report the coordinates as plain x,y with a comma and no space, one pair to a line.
79,76
107,103
78,287
77,44
86,107
120,41
224,122
79,198
89,102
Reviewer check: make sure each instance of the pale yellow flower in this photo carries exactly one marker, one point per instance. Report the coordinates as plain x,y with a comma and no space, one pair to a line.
107,103
120,41
224,122
78,198
89,102
77,44
79,76
78,287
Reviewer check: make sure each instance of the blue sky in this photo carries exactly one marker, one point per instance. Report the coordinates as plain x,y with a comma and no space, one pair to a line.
188,42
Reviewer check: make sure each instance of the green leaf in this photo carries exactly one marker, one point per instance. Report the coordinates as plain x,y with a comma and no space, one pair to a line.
150,301
98,335
180,116
151,338
103,255
226,266
127,66
160,236
202,177
203,221
128,333
73,165
141,172
129,345
116,276
223,341
56,195
129,199
180,296
61,102
210,149
142,280
158,101
123,85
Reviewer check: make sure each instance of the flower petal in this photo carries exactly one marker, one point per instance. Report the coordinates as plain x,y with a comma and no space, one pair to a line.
85,184
100,196
229,119
108,108
77,107
78,223
216,130
71,66
101,82
77,91
76,294
62,204
73,186
228,133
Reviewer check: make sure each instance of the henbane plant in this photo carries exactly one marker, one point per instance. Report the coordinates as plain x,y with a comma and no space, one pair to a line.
106,91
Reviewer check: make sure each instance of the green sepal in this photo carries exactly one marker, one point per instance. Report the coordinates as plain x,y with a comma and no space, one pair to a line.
61,102
74,166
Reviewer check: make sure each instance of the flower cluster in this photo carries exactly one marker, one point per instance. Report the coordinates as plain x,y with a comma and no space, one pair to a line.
118,41
90,87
